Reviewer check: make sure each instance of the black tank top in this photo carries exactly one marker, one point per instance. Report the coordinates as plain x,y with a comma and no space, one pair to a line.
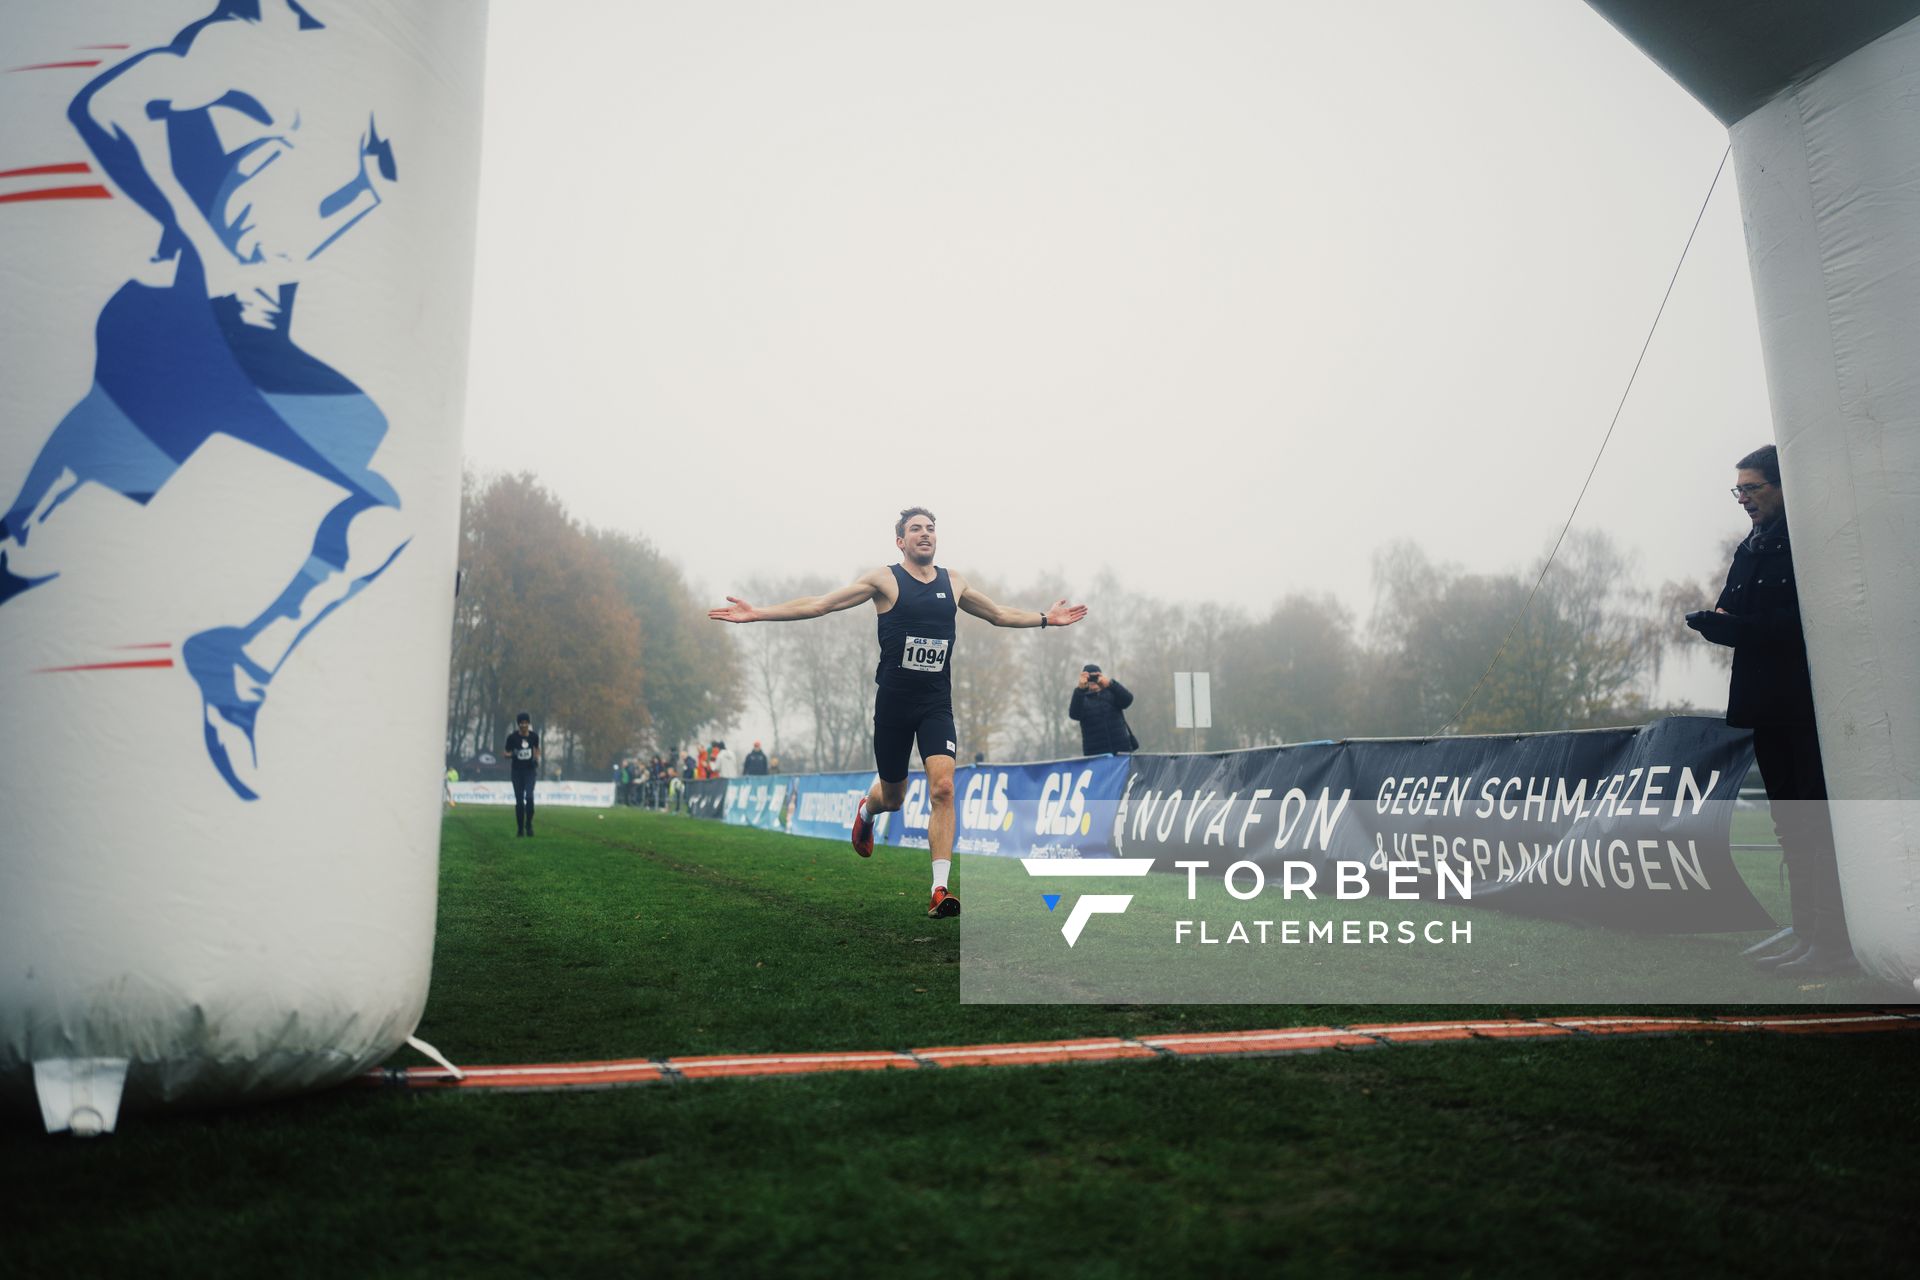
916,636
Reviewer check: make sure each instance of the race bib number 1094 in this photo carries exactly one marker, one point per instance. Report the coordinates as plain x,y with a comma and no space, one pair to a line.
925,655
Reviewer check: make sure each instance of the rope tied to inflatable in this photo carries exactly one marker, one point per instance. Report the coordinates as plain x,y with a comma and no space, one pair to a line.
1452,723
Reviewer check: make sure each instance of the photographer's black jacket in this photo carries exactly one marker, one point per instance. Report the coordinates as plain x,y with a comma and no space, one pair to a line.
1771,684
1103,728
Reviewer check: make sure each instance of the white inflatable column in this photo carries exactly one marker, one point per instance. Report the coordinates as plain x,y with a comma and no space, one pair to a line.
236,262
1830,188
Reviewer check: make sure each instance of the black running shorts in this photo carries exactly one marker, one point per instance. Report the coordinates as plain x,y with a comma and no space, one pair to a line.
897,725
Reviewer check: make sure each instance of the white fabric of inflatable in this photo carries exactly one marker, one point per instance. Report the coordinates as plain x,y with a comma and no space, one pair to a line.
1830,190
236,247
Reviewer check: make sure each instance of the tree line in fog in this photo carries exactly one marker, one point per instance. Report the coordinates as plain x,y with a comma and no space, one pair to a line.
598,634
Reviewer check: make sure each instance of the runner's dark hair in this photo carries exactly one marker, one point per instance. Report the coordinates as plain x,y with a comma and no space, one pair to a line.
900,525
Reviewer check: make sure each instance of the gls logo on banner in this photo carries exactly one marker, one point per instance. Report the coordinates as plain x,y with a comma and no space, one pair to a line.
1063,804
1091,904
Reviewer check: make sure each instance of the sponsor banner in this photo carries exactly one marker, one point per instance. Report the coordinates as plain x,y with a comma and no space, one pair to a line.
707,797
823,803
1622,827
758,802
565,795
1060,809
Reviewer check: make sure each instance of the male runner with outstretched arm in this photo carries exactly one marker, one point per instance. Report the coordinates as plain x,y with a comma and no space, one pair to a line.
916,602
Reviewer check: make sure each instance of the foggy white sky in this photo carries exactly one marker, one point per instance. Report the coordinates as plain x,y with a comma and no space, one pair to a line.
1220,295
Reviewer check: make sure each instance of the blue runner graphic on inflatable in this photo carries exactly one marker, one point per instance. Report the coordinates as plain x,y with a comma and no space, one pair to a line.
242,141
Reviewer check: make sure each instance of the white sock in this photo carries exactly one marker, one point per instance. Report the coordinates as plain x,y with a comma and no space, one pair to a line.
941,867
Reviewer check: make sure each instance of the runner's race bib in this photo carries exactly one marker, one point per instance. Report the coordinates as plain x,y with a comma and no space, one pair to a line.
925,655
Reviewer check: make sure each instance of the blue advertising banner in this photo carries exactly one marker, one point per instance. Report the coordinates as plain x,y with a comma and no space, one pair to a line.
1060,809
823,803
758,802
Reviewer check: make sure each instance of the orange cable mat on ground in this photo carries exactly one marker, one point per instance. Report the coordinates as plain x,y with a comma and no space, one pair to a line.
1214,1044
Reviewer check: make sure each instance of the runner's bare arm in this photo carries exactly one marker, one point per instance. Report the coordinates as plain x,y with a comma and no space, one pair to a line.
1061,614
869,586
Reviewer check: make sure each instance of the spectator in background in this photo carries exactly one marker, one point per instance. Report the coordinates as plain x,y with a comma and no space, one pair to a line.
1771,692
724,763
756,763
689,767
1099,704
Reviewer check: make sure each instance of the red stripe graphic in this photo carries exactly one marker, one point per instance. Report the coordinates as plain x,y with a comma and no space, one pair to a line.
105,46
107,666
57,193
162,645
75,167
1279,1042
55,66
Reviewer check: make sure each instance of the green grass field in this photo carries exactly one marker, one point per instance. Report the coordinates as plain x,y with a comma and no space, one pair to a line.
643,935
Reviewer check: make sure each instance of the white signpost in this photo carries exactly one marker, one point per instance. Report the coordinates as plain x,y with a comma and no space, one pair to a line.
1193,699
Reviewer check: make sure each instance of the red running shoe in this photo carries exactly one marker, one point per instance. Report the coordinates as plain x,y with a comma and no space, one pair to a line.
943,905
862,830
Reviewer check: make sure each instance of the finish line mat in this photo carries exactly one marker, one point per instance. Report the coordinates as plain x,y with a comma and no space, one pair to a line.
1219,1044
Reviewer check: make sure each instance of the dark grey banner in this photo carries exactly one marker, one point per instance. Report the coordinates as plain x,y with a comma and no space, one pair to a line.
1622,827
707,797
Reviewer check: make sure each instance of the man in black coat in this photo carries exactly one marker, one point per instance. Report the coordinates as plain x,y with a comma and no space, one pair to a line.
1098,704
1771,692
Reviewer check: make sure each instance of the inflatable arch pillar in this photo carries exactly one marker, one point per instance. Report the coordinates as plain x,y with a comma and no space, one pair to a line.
1823,103
236,255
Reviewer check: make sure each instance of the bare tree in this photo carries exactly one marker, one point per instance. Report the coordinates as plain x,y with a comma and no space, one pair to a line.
828,664
1045,664
1679,597
765,660
985,681
1487,653
1289,677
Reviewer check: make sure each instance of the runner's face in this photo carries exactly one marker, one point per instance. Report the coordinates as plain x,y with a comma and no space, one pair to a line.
919,542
